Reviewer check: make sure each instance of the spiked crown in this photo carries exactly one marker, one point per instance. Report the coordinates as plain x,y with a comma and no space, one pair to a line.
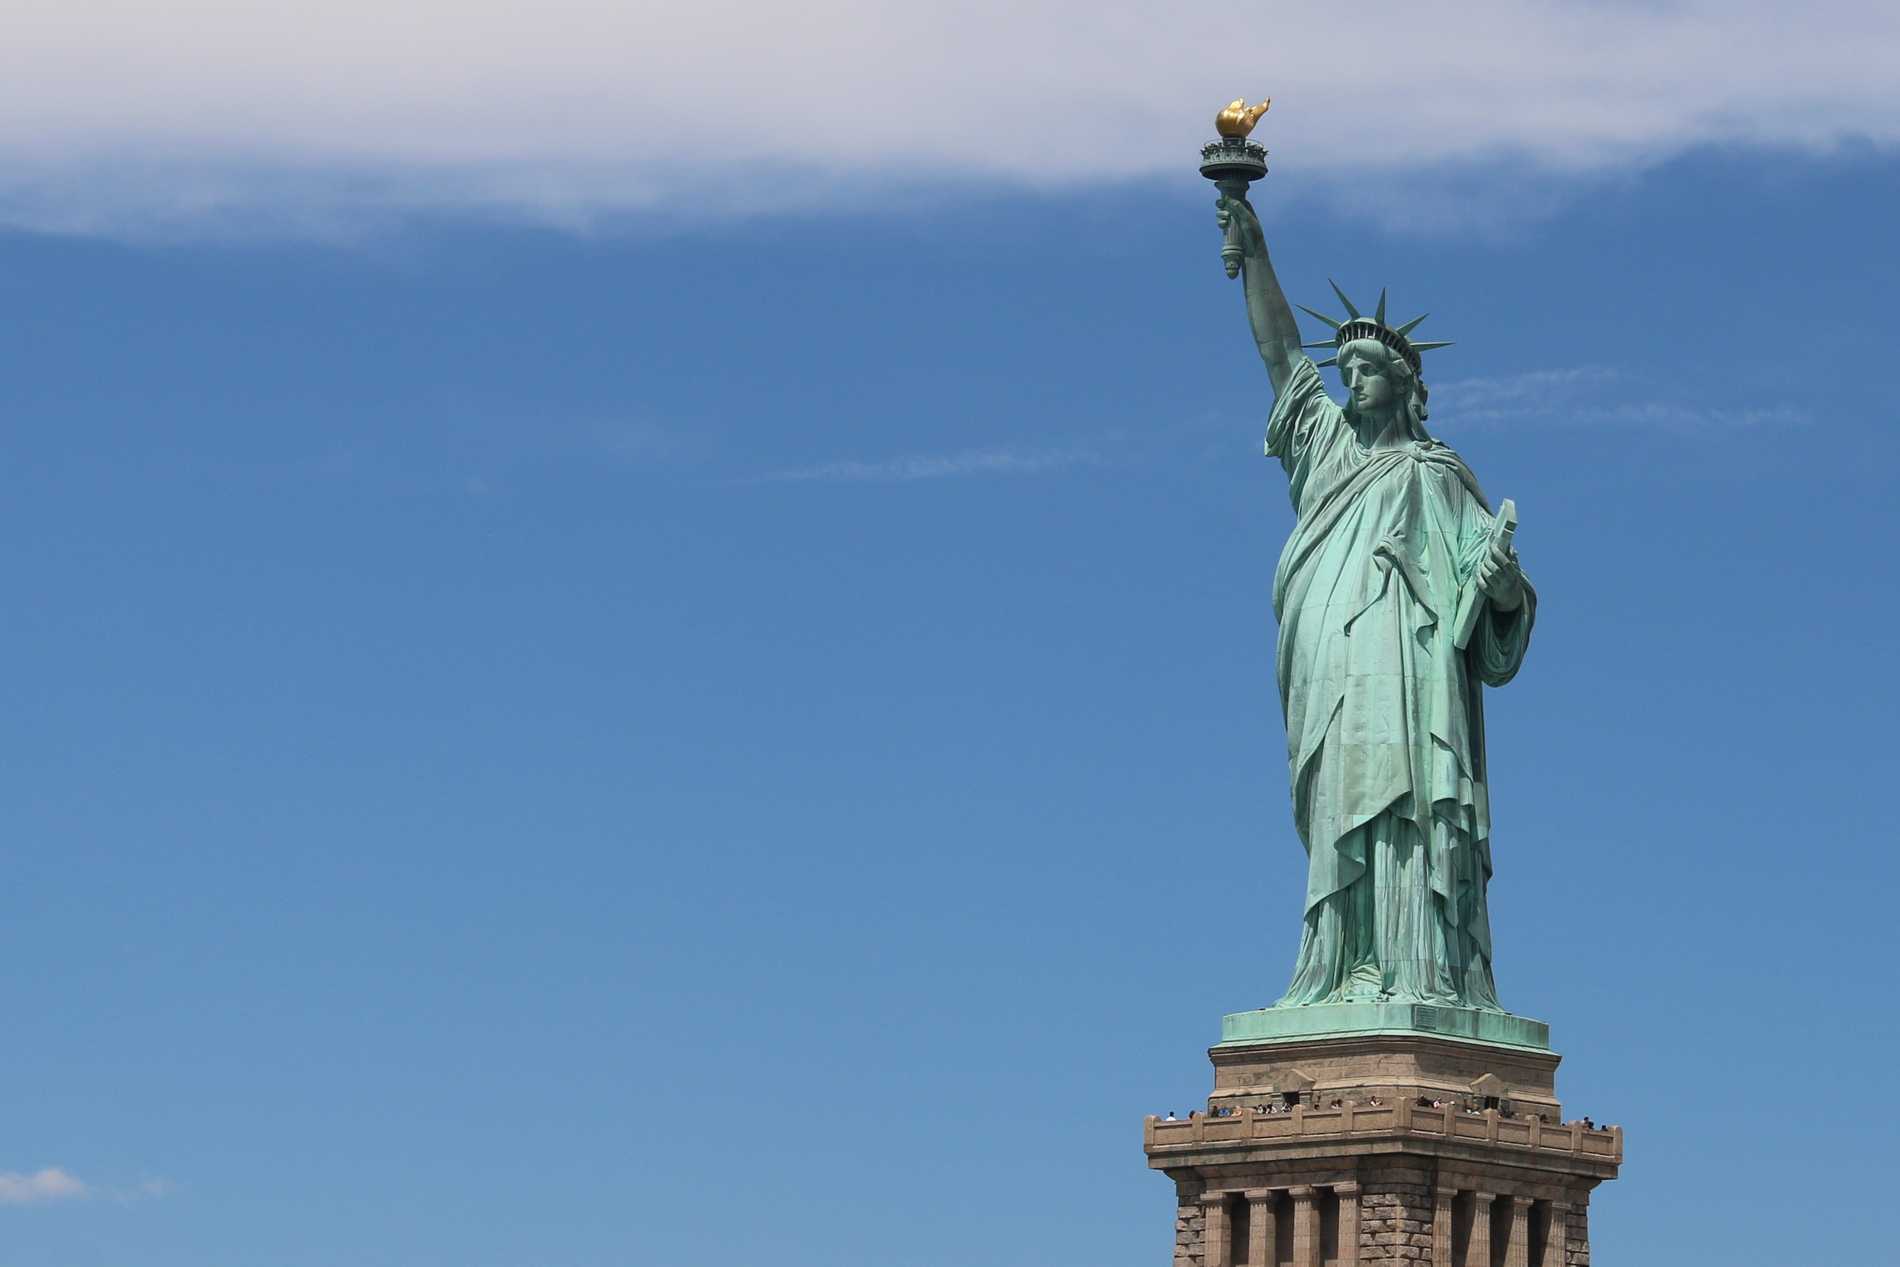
1359,326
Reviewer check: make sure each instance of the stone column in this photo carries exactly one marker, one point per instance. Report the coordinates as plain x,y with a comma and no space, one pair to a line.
1557,1240
1348,1194
1305,1227
1216,1239
1478,1253
1517,1250
1441,1225
1260,1230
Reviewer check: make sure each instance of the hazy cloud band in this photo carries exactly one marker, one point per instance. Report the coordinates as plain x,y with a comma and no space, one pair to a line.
207,109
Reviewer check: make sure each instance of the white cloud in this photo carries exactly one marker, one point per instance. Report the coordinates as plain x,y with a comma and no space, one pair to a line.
938,466
47,1184
1538,392
123,115
1587,395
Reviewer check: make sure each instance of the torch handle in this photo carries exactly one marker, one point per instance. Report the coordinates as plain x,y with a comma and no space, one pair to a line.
1232,250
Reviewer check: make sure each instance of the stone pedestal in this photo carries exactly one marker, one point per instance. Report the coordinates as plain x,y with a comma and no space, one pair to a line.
1330,1149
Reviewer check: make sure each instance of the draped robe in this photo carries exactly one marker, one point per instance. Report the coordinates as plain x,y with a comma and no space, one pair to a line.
1385,725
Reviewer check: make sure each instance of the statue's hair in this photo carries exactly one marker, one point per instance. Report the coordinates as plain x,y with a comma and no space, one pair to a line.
1412,390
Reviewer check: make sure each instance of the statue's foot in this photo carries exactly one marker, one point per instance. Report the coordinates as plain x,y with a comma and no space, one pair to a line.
1365,984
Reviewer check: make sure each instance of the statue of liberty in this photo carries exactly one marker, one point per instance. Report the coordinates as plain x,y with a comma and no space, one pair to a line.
1398,597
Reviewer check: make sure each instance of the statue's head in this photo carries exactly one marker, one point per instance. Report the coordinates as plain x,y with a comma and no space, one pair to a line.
1380,366
1381,386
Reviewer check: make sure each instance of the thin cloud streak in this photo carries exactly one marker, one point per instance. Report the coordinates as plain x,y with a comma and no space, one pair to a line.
936,466
1587,396
1675,416
1532,388
1574,396
120,117
143,1190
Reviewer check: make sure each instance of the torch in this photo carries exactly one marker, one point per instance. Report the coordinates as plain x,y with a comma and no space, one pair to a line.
1233,163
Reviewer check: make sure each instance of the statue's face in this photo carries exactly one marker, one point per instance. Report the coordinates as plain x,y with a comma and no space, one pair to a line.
1370,383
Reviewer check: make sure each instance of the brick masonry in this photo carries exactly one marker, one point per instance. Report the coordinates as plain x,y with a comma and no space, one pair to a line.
1395,1223
1190,1223
1577,1247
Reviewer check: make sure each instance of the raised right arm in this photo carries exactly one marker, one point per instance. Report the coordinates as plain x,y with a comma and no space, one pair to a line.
1274,329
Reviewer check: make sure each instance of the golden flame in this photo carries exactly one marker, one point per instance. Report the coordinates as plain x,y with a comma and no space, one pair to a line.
1237,119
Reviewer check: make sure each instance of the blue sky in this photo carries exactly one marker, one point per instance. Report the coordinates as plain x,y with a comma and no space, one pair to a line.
744,731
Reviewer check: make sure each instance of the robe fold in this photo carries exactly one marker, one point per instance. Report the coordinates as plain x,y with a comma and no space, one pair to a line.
1385,725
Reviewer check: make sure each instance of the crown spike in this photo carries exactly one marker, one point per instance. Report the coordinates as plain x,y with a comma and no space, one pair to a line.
1379,316
1331,360
1426,347
1351,311
1412,325
1323,343
1322,316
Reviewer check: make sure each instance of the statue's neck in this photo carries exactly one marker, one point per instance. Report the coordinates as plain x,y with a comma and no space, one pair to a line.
1380,431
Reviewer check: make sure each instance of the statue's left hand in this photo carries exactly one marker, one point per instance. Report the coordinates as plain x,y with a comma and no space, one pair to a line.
1501,579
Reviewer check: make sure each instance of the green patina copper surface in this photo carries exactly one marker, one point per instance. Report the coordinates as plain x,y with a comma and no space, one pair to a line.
1394,548
1332,1020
